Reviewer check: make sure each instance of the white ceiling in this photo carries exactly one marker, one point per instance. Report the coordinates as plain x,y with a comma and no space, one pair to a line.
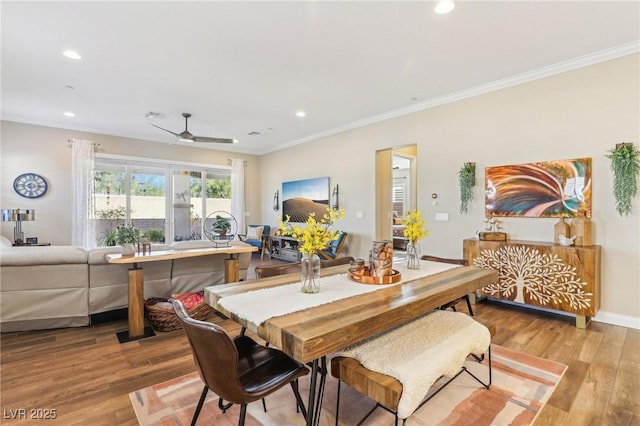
242,67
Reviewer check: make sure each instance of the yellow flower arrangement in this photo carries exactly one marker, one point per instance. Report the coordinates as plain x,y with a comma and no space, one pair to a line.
414,226
316,235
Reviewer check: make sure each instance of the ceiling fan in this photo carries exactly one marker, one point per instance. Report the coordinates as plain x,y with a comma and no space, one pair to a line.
185,136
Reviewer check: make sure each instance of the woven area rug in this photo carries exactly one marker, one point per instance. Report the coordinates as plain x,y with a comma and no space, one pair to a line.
522,384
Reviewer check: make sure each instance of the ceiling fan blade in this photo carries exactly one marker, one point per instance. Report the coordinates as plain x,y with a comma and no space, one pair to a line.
212,140
185,136
174,134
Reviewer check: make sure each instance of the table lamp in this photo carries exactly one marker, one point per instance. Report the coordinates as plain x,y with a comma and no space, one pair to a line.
18,216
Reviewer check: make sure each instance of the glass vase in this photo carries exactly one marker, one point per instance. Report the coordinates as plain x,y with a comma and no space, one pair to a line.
413,256
310,273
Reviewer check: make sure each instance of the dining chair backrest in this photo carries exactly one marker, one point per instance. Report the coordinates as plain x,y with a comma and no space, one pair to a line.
271,271
346,260
293,268
215,355
462,262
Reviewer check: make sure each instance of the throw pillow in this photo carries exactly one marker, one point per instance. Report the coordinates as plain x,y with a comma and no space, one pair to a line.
254,233
190,300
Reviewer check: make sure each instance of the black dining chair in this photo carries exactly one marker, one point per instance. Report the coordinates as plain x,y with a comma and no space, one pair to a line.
238,370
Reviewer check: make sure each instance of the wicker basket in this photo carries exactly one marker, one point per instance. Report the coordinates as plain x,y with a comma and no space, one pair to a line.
164,318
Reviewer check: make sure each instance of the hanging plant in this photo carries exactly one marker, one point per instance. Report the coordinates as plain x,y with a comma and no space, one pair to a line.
467,180
625,165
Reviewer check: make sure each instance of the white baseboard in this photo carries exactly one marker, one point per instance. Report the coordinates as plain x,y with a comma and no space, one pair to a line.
602,316
617,319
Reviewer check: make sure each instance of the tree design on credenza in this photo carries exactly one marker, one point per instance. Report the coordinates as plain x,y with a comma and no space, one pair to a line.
543,277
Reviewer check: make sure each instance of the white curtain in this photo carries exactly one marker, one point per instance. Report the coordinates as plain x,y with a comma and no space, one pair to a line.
82,229
237,193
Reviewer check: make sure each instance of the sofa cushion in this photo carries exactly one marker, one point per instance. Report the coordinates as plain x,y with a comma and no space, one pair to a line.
192,244
98,255
48,255
5,242
40,277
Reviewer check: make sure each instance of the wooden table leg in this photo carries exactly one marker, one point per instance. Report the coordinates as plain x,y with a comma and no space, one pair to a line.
136,303
231,270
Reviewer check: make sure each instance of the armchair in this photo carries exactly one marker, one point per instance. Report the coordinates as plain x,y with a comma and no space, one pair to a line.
257,236
335,247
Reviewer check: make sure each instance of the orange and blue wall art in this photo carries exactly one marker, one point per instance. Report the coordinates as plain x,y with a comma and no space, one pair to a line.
546,189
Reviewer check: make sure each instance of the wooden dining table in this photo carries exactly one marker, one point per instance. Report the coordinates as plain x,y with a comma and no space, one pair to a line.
311,334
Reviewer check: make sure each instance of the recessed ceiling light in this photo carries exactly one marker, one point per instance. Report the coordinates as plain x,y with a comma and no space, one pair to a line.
69,114
445,6
301,114
72,54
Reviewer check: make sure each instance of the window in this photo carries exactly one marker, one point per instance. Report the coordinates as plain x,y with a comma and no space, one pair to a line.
165,201
191,203
399,197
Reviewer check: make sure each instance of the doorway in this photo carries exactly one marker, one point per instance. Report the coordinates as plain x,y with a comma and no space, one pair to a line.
396,188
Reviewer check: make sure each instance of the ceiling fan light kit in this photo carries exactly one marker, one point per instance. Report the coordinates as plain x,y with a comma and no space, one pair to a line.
186,136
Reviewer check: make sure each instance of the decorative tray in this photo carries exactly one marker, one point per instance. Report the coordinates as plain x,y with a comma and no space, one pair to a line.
364,277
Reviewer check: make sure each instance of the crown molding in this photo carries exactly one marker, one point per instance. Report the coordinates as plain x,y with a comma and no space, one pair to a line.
560,67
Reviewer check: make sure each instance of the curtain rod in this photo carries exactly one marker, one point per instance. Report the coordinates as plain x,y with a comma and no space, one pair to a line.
96,146
230,159
94,143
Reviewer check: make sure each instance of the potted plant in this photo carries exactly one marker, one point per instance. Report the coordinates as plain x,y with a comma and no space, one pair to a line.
467,180
625,165
127,236
221,225
108,219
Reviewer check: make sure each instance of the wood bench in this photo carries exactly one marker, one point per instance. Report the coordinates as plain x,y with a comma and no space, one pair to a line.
386,390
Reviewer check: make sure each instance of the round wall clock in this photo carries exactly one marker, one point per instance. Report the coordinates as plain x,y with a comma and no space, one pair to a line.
30,185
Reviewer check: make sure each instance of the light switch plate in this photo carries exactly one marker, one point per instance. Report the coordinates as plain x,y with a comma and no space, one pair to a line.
359,215
442,217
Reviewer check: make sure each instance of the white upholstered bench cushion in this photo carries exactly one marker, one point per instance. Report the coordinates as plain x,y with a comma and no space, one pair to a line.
419,352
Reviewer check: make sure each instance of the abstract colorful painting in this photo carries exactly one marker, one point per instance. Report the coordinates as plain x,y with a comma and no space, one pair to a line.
546,189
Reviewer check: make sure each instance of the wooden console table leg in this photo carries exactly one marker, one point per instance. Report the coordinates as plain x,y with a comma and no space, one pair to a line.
582,321
136,302
231,270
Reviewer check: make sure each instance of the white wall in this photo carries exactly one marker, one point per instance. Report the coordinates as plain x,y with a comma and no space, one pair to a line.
45,150
581,113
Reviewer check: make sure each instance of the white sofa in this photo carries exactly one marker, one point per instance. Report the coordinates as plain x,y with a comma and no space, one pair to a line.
62,286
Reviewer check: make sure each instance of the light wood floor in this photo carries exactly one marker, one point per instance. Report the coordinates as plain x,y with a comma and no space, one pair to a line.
86,375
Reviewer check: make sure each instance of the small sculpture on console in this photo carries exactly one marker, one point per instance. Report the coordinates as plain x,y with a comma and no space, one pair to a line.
144,245
564,241
493,228
492,224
